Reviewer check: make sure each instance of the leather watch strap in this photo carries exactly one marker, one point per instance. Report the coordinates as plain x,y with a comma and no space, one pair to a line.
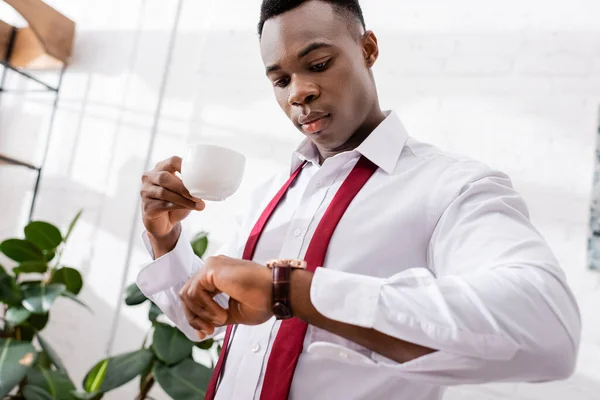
281,292
282,270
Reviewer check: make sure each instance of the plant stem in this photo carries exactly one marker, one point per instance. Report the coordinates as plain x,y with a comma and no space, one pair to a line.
59,258
21,386
148,383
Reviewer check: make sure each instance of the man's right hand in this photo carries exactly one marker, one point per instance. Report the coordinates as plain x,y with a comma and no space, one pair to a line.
165,203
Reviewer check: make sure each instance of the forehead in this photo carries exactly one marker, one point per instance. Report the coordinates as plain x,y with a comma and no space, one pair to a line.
314,21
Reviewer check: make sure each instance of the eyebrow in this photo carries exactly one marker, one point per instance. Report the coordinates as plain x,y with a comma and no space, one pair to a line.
312,47
306,51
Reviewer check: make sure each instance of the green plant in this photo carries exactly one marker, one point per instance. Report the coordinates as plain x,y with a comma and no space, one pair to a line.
167,360
31,370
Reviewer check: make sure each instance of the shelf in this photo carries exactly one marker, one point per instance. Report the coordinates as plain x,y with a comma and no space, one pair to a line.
45,44
48,87
5,160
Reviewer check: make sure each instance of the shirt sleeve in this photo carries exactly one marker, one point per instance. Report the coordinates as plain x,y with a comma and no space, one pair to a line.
162,279
493,300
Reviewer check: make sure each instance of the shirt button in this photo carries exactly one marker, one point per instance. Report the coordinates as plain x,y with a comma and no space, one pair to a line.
255,348
319,184
297,232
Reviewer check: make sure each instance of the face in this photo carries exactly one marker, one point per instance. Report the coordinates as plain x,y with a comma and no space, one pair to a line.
321,73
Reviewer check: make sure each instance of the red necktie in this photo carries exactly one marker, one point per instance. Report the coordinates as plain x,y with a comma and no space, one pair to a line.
290,338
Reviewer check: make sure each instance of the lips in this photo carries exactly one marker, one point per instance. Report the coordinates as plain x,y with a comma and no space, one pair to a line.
313,122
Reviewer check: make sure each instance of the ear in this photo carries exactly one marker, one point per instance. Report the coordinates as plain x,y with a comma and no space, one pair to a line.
370,48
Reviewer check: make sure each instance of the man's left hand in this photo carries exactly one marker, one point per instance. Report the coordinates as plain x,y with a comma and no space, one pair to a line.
249,286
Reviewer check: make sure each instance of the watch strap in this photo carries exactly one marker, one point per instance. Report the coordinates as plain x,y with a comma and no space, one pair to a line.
282,270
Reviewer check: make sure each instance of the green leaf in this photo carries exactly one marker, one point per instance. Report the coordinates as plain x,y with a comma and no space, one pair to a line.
95,377
16,357
21,250
49,255
154,312
200,243
46,236
43,360
134,296
54,358
38,298
72,225
27,333
17,315
29,267
38,321
170,345
116,371
206,344
33,325
74,298
70,277
56,383
88,396
9,290
36,393
186,380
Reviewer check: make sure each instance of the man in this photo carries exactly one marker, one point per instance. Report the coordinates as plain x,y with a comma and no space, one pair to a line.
418,270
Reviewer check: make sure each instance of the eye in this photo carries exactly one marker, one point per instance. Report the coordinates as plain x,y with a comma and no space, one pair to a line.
320,67
283,82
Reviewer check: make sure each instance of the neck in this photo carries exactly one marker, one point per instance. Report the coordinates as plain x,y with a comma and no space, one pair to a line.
368,126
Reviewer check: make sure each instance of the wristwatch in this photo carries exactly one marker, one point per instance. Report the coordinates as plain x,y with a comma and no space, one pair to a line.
282,270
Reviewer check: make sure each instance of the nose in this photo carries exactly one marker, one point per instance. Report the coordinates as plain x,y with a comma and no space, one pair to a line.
302,92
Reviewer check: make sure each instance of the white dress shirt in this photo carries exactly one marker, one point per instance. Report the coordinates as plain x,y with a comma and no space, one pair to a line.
436,250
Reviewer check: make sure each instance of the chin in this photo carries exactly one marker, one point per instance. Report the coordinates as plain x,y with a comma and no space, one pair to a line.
327,141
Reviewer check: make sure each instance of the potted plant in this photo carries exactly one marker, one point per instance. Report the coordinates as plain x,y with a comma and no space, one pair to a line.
31,370
167,360
28,370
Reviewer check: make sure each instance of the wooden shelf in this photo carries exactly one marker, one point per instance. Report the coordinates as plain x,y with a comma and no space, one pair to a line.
47,43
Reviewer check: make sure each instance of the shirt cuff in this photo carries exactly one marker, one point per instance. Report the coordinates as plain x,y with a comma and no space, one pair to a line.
170,269
346,297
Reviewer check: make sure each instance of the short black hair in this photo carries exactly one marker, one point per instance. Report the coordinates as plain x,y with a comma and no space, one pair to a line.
273,8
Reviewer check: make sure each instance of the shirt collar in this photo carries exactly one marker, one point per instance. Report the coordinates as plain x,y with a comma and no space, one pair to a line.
382,147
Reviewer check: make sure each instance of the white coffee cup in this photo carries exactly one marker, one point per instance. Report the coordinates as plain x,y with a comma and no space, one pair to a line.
212,172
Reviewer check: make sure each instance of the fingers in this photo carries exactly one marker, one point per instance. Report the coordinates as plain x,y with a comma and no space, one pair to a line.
154,207
168,181
163,175
205,307
161,184
165,195
202,326
172,165
201,304
201,335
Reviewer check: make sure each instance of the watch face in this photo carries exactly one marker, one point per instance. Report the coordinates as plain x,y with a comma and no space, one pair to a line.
281,311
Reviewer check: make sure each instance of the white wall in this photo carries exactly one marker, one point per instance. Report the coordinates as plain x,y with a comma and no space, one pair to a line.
515,84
